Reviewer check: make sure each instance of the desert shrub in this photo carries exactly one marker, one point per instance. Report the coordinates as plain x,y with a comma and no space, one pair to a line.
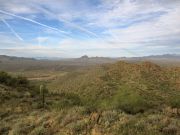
136,126
4,78
104,104
4,130
36,105
170,130
130,101
71,116
128,128
67,100
21,128
74,99
109,117
90,106
38,131
35,89
78,126
19,81
175,101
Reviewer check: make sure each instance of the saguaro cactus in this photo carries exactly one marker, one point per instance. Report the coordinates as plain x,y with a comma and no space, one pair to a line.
42,94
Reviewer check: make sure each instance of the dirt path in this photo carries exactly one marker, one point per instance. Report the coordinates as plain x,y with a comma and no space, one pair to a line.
52,77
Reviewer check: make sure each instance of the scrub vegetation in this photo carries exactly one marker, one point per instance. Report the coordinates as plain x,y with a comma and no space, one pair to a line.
110,99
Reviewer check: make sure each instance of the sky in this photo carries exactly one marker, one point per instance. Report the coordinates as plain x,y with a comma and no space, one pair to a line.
72,28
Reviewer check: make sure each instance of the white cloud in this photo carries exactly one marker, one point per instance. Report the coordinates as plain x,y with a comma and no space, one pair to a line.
163,26
42,39
112,24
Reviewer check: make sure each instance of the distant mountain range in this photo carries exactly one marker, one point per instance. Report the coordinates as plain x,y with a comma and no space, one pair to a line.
165,56
166,59
5,57
21,63
86,57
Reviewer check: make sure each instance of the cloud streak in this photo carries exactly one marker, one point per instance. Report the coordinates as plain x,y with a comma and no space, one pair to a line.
12,30
67,22
33,21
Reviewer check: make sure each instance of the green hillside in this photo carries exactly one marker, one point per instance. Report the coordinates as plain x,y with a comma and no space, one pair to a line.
111,99
149,83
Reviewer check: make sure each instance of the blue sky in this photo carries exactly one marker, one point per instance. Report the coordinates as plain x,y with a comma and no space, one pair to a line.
72,28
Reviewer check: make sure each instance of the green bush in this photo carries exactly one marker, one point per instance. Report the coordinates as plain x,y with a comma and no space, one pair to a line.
5,78
21,81
67,100
130,101
175,101
8,80
89,108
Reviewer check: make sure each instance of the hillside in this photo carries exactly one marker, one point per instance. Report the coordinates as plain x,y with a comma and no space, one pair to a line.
105,82
110,99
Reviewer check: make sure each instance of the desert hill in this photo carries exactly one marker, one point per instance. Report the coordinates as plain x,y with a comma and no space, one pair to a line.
120,98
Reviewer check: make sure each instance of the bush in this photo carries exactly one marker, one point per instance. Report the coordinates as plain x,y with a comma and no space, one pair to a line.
8,80
21,128
175,101
109,117
21,81
72,115
4,78
67,100
170,130
78,127
38,131
134,127
130,101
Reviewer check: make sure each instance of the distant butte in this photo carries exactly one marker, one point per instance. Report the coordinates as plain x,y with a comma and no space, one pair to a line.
84,57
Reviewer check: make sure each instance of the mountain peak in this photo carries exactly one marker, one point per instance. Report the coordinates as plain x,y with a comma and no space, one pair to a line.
84,57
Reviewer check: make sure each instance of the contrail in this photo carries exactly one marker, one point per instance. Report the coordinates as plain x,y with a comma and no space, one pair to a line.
68,23
12,30
56,29
33,21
